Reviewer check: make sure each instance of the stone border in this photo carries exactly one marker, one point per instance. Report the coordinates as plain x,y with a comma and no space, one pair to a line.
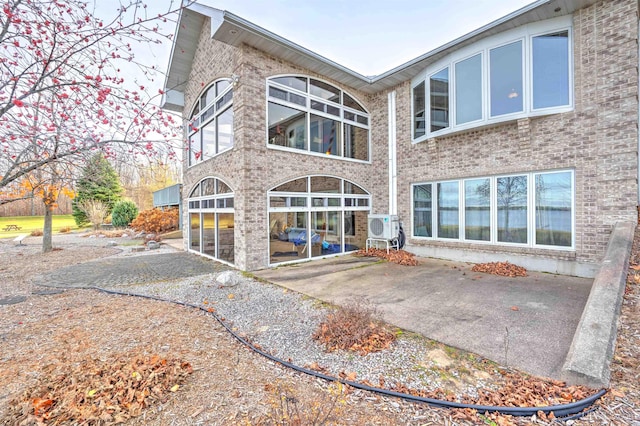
593,344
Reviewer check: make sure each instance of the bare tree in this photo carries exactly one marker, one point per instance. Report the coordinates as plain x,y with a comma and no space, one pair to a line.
63,96
62,64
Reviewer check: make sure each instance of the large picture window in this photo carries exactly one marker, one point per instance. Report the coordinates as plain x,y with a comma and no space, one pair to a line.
477,209
512,200
448,210
422,219
211,220
553,209
550,70
311,115
211,123
523,72
468,90
532,209
506,79
316,216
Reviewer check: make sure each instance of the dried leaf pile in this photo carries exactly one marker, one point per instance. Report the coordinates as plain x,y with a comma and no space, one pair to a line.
401,257
103,392
353,327
505,269
517,391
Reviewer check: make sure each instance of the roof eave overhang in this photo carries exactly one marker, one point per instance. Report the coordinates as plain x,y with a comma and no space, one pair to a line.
235,31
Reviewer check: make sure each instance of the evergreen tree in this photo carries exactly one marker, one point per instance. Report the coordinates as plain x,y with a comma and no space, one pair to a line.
123,213
99,182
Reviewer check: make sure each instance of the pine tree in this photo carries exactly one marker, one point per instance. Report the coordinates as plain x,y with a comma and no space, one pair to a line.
99,182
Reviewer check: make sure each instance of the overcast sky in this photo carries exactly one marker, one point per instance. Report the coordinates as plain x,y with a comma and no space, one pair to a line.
369,37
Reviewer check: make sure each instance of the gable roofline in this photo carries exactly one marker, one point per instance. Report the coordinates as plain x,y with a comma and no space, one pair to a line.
235,31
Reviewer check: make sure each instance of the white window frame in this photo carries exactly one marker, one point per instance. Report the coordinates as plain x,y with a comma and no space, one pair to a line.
550,110
526,33
483,89
427,88
201,210
307,110
493,202
525,79
309,209
197,118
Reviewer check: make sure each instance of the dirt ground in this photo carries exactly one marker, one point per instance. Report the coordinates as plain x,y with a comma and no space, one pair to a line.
57,335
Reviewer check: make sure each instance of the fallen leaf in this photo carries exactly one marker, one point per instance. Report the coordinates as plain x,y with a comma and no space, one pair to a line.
230,296
92,392
174,388
515,308
41,405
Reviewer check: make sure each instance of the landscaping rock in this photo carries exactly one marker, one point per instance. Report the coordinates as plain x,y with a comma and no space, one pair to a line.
153,245
12,300
228,279
111,244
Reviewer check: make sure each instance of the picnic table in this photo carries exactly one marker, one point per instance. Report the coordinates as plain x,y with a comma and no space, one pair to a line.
12,227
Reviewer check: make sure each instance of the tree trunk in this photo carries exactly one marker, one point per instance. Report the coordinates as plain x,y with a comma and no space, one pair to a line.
47,229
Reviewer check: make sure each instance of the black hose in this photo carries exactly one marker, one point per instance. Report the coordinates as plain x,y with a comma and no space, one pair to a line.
401,238
559,411
576,416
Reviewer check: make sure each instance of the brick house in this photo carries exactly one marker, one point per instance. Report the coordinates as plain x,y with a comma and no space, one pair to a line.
517,141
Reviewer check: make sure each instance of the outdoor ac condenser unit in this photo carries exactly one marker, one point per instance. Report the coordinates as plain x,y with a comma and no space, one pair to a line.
384,226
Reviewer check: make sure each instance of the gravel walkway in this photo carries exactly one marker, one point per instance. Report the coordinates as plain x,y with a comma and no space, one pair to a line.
122,271
280,321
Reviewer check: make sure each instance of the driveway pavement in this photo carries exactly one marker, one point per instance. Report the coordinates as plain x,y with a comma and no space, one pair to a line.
524,322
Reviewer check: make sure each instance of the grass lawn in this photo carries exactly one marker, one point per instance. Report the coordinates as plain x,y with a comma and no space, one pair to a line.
31,223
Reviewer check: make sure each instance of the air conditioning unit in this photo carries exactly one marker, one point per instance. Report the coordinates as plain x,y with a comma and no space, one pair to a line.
383,226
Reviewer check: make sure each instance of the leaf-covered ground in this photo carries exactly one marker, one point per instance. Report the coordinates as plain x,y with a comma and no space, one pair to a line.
96,353
90,390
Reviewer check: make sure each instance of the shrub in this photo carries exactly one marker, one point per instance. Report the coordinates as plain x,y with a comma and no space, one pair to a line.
37,233
123,213
156,221
65,230
95,211
354,327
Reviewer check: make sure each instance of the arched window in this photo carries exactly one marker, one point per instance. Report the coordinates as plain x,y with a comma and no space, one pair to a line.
211,220
310,115
211,122
316,216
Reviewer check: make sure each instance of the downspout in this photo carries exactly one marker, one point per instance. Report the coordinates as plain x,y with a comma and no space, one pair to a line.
393,161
